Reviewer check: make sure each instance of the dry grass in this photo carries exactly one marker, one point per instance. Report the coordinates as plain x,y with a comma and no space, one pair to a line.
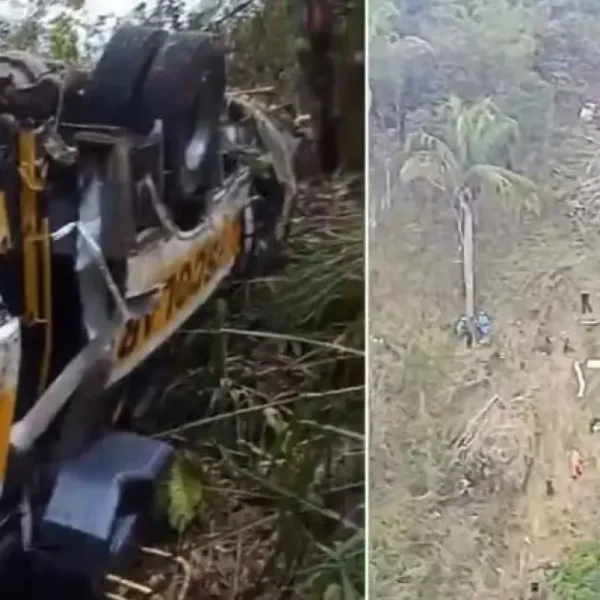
263,398
463,443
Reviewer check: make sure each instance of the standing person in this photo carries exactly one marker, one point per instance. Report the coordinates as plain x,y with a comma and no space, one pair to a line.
583,274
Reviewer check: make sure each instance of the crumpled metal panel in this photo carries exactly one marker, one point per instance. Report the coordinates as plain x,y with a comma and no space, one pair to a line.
22,67
281,148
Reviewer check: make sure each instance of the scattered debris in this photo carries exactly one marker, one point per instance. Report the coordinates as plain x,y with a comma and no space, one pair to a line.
595,425
470,431
567,348
586,306
576,464
543,344
593,364
580,379
588,112
536,591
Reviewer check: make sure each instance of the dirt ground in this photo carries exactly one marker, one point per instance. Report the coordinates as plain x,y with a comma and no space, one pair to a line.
471,490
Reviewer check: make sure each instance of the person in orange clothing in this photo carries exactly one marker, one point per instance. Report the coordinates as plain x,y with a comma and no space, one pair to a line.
576,464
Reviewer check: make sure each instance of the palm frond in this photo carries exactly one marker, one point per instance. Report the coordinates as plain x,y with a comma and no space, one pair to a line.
479,132
461,138
497,137
489,103
490,108
423,144
516,193
489,132
454,107
453,110
417,44
425,166
381,18
479,116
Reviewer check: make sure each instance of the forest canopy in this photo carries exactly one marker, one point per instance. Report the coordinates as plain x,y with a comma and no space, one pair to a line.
537,60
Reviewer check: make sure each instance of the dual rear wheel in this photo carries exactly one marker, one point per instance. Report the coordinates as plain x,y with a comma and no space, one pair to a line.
145,75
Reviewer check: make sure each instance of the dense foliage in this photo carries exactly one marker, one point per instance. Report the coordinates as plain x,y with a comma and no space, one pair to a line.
536,60
263,394
476,104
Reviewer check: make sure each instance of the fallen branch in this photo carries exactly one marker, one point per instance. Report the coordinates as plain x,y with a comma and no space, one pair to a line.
580,379
467,437
277,336
266,89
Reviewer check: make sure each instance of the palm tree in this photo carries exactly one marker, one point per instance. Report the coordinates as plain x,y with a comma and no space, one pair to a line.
472,161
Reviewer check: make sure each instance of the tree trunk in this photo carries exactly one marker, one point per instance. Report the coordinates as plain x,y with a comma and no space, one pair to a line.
388,185
464,198
400,108
402,121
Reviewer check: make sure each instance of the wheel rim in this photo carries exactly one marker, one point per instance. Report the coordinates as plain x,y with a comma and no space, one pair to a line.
194,150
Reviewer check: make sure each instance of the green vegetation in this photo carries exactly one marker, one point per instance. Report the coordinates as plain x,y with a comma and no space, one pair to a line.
483,167
579,577
479,136
465,166
262,394
270,423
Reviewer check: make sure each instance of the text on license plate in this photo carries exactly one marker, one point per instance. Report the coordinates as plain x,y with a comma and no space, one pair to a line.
184,283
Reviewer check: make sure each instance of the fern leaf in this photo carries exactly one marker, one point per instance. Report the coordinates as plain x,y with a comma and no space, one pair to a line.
185,495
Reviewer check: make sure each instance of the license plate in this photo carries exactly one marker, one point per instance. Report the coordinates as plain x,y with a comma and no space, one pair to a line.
187,283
